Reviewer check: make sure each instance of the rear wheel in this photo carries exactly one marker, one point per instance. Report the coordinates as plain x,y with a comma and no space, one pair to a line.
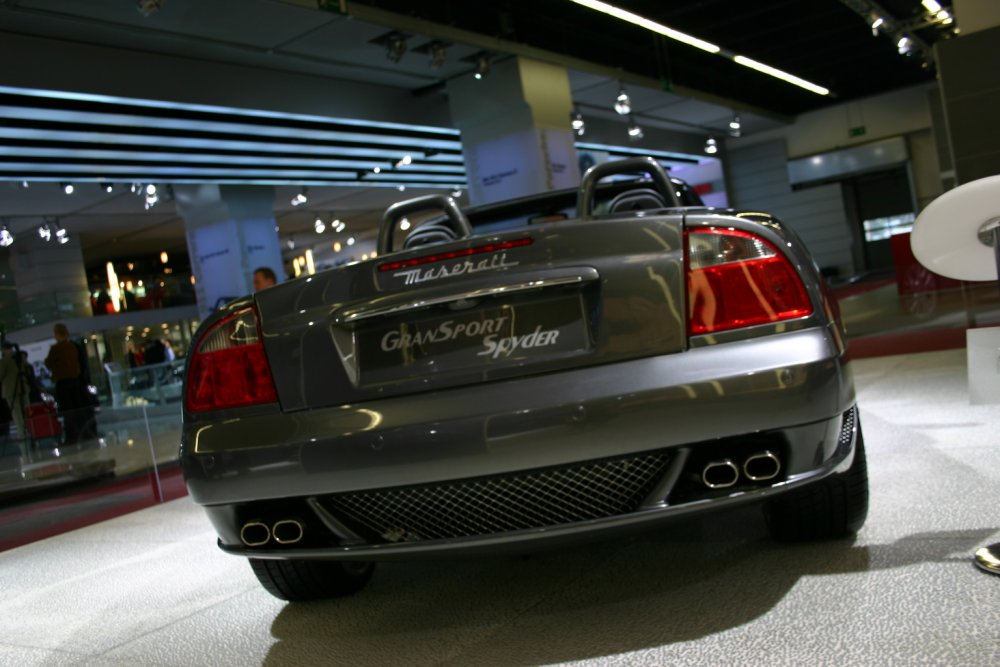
835,507
302,580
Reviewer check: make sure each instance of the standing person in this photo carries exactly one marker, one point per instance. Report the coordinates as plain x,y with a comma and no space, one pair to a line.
135,358
263,278
64,362
86,415
34,391
154,352
13,386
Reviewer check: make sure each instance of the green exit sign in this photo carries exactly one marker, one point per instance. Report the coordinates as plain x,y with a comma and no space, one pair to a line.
857,131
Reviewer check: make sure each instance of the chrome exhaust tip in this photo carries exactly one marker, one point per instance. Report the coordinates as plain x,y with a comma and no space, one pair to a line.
720,474
255,533
761,466
288,531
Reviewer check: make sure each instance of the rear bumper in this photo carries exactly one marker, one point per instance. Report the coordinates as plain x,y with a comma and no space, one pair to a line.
792,388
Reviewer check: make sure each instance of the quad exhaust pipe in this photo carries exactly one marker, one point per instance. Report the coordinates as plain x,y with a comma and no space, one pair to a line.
720,474
724,473
287,531
257,533
761,467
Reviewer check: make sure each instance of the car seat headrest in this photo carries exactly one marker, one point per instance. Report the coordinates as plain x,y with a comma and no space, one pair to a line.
636,200
433,232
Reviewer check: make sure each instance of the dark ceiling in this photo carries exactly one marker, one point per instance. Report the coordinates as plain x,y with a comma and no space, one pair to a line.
823,41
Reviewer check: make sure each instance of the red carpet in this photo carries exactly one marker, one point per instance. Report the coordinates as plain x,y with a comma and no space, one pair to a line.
84,504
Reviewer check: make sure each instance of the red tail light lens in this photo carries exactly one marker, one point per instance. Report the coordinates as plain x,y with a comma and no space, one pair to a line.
228,368
737,279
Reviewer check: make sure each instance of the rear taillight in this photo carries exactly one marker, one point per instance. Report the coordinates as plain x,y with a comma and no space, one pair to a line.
737,279
228,367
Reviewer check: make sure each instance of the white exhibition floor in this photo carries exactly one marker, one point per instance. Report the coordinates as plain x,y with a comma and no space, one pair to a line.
151,589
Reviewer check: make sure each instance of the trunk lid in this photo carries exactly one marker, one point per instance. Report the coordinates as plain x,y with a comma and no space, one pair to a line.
535,300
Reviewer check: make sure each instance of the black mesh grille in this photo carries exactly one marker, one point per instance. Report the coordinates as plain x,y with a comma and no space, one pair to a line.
493,505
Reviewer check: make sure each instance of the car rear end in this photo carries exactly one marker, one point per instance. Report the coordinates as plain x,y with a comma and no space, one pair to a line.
512,390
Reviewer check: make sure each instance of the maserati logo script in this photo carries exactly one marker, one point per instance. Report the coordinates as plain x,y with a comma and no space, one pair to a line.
417,276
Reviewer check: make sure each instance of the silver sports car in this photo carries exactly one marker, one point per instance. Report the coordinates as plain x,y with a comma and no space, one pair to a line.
572,365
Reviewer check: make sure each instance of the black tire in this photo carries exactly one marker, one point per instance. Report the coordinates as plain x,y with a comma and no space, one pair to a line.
833,508
303,580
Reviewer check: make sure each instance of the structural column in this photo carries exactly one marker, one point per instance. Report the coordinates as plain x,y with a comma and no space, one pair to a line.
969,75
230,232
515,125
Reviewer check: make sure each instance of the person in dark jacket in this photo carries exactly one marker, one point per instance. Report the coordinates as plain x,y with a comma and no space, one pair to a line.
13,387
34,389
263,278
63,361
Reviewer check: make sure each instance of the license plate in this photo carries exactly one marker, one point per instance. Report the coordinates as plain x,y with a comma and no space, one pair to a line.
459,337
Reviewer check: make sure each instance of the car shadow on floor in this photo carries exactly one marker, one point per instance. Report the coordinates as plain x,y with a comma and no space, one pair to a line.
689,580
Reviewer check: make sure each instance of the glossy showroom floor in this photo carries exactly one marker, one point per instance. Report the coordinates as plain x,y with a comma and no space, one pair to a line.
151,589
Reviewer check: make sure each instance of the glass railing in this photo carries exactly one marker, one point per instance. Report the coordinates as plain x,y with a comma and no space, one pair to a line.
74,468
24,312
51,307
883,315
149,385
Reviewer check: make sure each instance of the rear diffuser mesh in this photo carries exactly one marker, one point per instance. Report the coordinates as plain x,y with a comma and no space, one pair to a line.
534,499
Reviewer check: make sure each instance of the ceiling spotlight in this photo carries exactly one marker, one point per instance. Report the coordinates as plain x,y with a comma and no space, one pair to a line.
404,224
735,126
395,46
300,198
45,232
377,170
108,187
711,147
350,240
577,123
904,46
931,5
456,193
25,184
877,22
634,131
319,226
439,52
338,226
6,238
61,234
67,188
151,195
623,104
405,160
482,66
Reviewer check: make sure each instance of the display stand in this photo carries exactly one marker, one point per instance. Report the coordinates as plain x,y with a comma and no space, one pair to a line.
958,236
